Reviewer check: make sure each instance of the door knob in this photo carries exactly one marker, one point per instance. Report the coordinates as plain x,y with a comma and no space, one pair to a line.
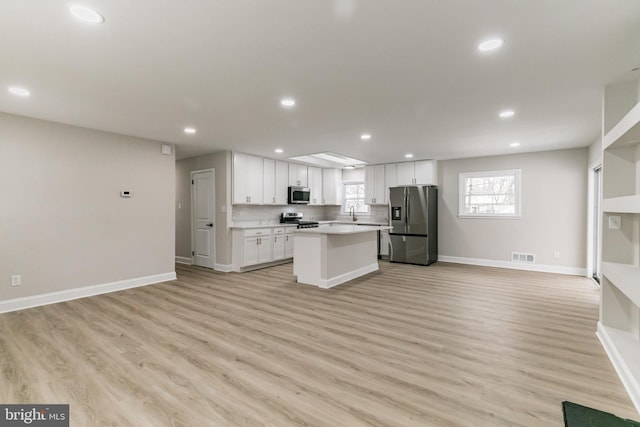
209,225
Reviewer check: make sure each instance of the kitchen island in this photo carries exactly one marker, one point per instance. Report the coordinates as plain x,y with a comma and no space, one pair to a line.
335,253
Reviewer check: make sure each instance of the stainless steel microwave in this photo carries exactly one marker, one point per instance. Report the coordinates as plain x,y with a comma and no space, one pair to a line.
298,195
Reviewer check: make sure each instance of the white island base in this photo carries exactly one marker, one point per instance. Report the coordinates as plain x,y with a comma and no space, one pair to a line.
332,255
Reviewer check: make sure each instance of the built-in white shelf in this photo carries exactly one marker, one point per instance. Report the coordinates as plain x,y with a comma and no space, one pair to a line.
623,349
626,131
625,204
625,277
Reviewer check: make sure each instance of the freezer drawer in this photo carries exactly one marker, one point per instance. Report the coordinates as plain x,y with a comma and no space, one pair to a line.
411,250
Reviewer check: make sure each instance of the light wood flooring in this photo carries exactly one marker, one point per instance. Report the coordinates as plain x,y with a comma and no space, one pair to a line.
445,345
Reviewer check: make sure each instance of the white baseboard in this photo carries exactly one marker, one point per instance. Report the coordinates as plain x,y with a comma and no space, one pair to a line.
338,280
183,260
225,268
629,381
87,291
575,271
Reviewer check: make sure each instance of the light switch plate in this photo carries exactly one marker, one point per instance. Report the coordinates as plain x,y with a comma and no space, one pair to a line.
615,222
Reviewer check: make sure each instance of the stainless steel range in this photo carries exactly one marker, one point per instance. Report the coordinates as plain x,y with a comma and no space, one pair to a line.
296,218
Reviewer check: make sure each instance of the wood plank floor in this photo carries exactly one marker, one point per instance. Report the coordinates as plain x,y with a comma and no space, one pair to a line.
445,345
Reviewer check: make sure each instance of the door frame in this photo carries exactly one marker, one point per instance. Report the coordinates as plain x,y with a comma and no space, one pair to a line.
193,226
594,219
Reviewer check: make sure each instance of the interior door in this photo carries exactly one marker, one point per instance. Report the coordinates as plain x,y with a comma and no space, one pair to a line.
203,218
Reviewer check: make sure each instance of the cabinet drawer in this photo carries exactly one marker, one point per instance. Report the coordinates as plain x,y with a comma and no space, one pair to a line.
278,231
257,232
289,230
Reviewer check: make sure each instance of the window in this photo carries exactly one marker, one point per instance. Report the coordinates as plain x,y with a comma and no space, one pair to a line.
489,194
354,196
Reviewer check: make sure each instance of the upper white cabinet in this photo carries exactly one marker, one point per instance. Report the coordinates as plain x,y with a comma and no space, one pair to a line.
297,175
315,185
374,185
619,325
247,179
275,182
331,186
390,179
419,172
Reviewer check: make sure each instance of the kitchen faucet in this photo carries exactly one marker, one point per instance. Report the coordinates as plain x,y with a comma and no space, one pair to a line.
352,213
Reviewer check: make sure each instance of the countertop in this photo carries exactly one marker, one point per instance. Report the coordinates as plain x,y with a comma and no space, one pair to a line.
340,228
264,224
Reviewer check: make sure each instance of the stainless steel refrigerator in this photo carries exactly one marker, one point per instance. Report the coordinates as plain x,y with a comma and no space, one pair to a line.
413,212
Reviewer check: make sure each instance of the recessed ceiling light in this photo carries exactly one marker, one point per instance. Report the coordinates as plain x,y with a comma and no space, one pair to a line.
19,91
190,130
408,155
278,150
349,167
86,14
365,136
287,102
490,44
506,114
514,144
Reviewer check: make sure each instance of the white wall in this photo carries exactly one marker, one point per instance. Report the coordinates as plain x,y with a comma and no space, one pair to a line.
554,211
63,224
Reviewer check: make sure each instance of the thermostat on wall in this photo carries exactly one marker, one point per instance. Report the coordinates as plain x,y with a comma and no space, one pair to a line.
126,194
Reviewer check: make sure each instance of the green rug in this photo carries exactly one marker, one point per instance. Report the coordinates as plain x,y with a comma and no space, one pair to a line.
581,416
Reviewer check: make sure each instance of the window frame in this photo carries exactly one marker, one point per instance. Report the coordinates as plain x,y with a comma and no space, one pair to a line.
344,197
517,174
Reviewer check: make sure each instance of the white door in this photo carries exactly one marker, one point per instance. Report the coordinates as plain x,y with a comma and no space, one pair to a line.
203,218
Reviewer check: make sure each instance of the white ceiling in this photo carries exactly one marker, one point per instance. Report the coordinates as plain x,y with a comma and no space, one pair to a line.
408,72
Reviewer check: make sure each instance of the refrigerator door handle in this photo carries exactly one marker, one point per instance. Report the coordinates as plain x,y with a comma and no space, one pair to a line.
406,207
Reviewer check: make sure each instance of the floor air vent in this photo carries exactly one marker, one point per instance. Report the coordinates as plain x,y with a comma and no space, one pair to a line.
522,257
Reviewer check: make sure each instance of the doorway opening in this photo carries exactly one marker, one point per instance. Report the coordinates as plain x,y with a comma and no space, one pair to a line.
596,231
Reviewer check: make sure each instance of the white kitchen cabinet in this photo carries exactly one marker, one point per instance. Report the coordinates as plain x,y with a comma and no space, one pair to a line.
418,172
288,243
278,243
281,182
315,185
257,246
275,182
384,243
390,179
247,179
374,185
331,187
298,175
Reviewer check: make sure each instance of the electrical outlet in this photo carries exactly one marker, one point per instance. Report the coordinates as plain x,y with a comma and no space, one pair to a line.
16,280
556,254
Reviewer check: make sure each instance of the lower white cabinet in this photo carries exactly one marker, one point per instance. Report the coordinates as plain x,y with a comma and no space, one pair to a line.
255,246
288,243
384,243
278,243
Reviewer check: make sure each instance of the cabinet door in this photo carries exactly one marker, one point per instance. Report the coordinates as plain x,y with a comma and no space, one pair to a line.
425,172
315,185
255,176
288,245
390,179
332,186
297,175
250,251
369,184
265,246
269,182
278,246
240,190
378,196
384,243
281,182
405,173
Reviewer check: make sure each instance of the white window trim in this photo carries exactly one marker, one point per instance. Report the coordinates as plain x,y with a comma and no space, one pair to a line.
344,197
518,196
